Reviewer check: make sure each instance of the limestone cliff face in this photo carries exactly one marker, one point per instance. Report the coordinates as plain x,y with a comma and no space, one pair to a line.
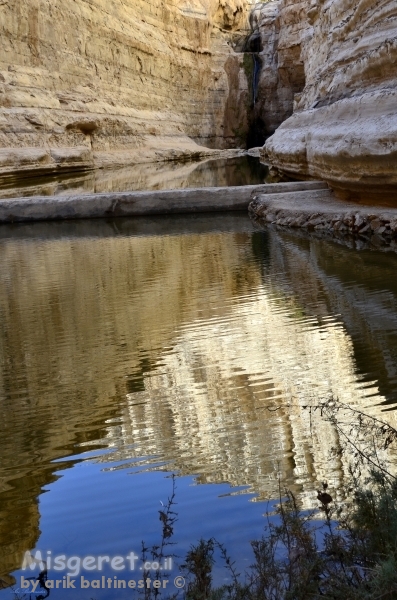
280,28
92,82
344,126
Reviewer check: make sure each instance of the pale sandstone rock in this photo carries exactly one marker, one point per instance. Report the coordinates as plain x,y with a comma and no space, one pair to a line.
344,128
118,82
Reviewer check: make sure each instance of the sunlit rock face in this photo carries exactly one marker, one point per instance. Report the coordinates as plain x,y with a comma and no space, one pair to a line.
344,126
86,84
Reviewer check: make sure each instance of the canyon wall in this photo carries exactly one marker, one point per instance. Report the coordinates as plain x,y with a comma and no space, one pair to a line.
93,83
278,27
344,125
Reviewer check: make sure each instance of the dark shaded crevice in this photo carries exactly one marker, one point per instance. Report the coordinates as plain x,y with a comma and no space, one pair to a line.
253,43
257,134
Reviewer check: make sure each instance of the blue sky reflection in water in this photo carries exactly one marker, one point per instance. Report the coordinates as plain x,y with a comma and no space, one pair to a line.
133,348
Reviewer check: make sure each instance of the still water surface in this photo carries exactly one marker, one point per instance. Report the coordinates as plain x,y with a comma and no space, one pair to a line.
130,349
244,170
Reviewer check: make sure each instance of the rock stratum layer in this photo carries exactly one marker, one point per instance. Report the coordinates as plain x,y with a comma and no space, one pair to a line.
89,83
344,126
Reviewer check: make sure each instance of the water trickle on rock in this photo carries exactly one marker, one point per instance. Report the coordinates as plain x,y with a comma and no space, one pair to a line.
255,77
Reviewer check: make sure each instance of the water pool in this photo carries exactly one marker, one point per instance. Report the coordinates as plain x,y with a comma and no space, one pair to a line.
136,348
244,170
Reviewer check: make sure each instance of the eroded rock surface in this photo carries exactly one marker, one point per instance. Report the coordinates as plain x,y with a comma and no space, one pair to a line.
94,83
319,211
280,27
344,126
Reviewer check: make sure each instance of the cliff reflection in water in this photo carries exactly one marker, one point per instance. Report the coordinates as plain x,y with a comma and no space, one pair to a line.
241,170
171,339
